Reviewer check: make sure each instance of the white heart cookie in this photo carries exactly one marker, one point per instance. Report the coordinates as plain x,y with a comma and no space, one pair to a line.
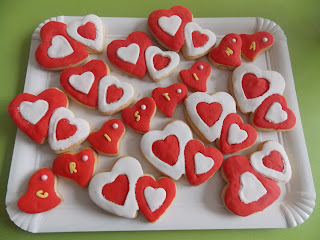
170,24
276,114
202,163
130,53
251,189
60,47
83,82
33,111
182,132
236,135
154,197
124,166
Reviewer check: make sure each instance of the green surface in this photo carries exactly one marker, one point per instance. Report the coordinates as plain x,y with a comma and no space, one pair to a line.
300,21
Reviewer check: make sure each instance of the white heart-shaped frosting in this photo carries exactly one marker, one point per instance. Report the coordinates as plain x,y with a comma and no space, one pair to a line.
83,82
33,111
236,135
130,53
251,189
202,163
170,24
60,47
276,114
154,197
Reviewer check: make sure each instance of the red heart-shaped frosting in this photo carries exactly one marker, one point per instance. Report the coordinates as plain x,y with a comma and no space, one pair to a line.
160,62
199,39
117,191
88,30
113,94
65,130
167,150
209,112
273,161
253,86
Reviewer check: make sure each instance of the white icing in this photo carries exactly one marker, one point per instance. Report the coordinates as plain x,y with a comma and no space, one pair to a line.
83,82
44,177
228,106
33,111
276,86
170,24
132,169
60,47
202,163
84,158
193,51
155,74
256,160
233,40
179,90
126,98
154,197
96,44
276,114
83,129
264,39
130,53
200,67
183,134
251,188
143,107
115,126
236,135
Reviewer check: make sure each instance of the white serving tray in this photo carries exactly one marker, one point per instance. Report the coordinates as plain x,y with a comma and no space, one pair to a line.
194,207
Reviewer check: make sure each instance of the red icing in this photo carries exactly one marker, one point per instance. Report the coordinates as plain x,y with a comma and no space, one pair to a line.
167,150
247,39
160,62
165,106
199,39
209,112
139,69
143,125
113,94
273,161
88,31
99,70
259,115
117,191
227,148
253,86
172,42
166,183
194,146
233,167
84,169
100,143
30,202
188,78
48,31
219,56
39,131
64,129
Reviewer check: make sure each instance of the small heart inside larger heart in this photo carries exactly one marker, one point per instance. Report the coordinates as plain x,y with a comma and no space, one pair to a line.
113,94
167,150
117,191
88,31
253,86
64,129
274,161
199,39
160,62
209,112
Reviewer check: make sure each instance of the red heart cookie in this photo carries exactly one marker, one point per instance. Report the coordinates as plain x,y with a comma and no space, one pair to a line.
236,135
167,26
138,117
168,98
154,197
128,55
107,139
248,191
81,83
273,114
253,44
196,77
57,50
77,166
31,113
227,55
41,195
201,162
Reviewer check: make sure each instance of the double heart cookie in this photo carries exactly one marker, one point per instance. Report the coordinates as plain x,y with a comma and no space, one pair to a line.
81,83
251,86
32,113
167,26
57,50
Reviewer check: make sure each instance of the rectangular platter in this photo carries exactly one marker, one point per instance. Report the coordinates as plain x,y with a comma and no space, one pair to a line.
194,207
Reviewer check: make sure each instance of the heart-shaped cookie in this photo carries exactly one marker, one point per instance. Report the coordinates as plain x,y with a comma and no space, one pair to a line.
198,41
206,113
138,117
247,191
89,31
272,161
57,50
81,83
167,26
77,166
129,54
168,98
66,131
154,197
273,114
165,149
115,191
107,139
31,113
251,86
41,195
201,162
236,135
114,95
